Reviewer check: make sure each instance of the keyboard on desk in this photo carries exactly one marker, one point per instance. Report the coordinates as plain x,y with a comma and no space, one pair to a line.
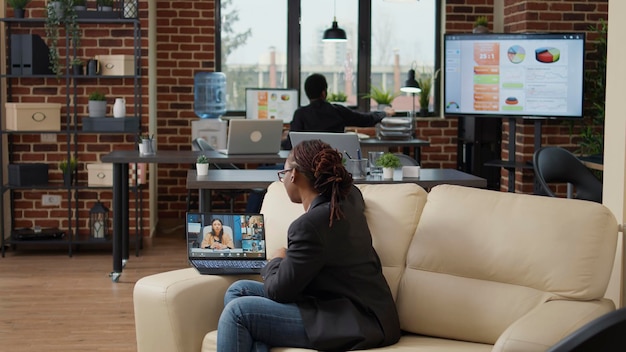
225,267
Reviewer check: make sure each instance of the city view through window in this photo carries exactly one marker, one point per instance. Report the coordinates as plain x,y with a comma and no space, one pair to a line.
254,46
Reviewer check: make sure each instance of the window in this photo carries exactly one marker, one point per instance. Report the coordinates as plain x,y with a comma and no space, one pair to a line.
277,44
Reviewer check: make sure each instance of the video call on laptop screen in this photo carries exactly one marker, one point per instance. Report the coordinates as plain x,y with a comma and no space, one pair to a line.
243,236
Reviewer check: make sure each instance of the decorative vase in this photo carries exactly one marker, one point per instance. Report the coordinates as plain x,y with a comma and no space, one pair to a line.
388,173
202,169
119,108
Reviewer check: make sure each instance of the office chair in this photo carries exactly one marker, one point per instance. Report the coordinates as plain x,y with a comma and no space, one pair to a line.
555,164
605,333
406,160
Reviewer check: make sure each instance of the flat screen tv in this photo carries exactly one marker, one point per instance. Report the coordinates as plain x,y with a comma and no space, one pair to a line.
271,103
508,75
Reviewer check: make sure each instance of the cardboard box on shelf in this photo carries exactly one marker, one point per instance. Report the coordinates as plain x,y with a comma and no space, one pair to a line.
33,116
116,65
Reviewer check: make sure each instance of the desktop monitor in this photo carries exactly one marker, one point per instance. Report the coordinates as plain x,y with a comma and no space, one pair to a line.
271,103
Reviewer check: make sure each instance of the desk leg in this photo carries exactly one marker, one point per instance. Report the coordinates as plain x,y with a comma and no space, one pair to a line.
205,200
118,181
125,214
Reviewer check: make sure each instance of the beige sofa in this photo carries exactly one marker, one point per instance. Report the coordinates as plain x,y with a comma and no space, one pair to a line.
470,270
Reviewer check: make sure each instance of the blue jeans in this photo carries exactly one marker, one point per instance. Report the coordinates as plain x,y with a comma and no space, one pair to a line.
252,322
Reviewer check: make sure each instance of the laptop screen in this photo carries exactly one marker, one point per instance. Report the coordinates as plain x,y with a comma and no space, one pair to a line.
225,236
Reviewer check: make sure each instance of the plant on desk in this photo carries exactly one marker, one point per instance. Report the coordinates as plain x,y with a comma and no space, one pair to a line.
388,162
381,96
202,165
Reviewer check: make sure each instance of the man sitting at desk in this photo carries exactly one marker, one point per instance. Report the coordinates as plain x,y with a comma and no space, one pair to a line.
217,236
322,116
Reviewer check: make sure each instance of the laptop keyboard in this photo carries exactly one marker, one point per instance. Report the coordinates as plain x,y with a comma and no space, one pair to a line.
230,264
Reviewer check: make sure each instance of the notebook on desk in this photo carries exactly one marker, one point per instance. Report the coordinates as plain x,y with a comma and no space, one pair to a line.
240,250
253,137
343,142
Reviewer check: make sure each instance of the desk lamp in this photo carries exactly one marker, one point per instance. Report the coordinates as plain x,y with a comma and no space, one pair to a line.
411,86
334,34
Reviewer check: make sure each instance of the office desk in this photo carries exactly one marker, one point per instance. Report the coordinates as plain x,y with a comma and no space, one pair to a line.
120,160
245,179
414,143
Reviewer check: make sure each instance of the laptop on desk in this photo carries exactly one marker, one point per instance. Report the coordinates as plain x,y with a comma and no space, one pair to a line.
241,250
253,137
343,142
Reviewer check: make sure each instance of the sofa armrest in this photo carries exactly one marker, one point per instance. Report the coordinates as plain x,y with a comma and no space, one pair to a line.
549,323
176,309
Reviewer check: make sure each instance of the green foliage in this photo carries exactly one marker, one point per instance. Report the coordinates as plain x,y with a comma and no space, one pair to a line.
389,160
95,95
481,21
202,159
18,4
426,81
68,19
336,97
104,3
381,95
66,166
592,129
79,2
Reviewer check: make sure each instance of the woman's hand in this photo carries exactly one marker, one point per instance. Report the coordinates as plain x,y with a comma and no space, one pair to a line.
280,253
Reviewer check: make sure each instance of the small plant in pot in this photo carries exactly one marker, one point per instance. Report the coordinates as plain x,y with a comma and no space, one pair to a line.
388,162
79,5
426,81
18,7
147,144
97,104
69,169
78,67
202,165
105,5
338,97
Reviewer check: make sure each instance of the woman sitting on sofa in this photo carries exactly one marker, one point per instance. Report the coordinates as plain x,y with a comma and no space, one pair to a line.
326,291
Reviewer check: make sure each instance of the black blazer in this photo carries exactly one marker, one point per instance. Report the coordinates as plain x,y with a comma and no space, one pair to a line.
322,116
335,277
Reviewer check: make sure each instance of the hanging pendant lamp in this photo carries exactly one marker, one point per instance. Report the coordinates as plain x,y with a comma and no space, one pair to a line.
334,33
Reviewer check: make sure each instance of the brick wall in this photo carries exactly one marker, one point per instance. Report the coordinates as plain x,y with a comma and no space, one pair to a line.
185,45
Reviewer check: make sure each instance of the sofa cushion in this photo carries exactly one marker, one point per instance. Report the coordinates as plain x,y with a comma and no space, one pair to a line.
480,260
392,213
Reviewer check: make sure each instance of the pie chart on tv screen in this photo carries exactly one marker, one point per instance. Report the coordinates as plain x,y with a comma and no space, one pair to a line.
547,55
516,54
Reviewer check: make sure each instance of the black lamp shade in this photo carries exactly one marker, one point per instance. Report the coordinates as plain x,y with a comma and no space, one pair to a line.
335,33
411,85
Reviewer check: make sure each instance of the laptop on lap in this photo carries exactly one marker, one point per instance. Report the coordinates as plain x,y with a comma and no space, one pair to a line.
241,250
253,137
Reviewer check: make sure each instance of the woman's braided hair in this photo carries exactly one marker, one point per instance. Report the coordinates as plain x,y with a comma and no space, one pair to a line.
323,167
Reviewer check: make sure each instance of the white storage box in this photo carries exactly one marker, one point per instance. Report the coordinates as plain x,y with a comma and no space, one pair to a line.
116,65
33,116
100,174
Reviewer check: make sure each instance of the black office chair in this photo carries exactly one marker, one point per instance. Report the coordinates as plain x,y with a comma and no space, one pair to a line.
406,160
555,164
606,334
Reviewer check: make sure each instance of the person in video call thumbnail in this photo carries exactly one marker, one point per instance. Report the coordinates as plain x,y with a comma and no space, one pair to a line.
216,238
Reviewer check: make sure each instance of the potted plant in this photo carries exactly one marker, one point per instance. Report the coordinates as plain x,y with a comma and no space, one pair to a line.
388,162
338,97
60,14
426,81
480,25
68,168
97,104
105,5
381,96
202,165
77,67
18,7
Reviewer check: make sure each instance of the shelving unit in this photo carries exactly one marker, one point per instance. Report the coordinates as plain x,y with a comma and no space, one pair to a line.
74,199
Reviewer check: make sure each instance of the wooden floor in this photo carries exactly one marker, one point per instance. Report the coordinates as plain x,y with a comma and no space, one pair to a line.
52,302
